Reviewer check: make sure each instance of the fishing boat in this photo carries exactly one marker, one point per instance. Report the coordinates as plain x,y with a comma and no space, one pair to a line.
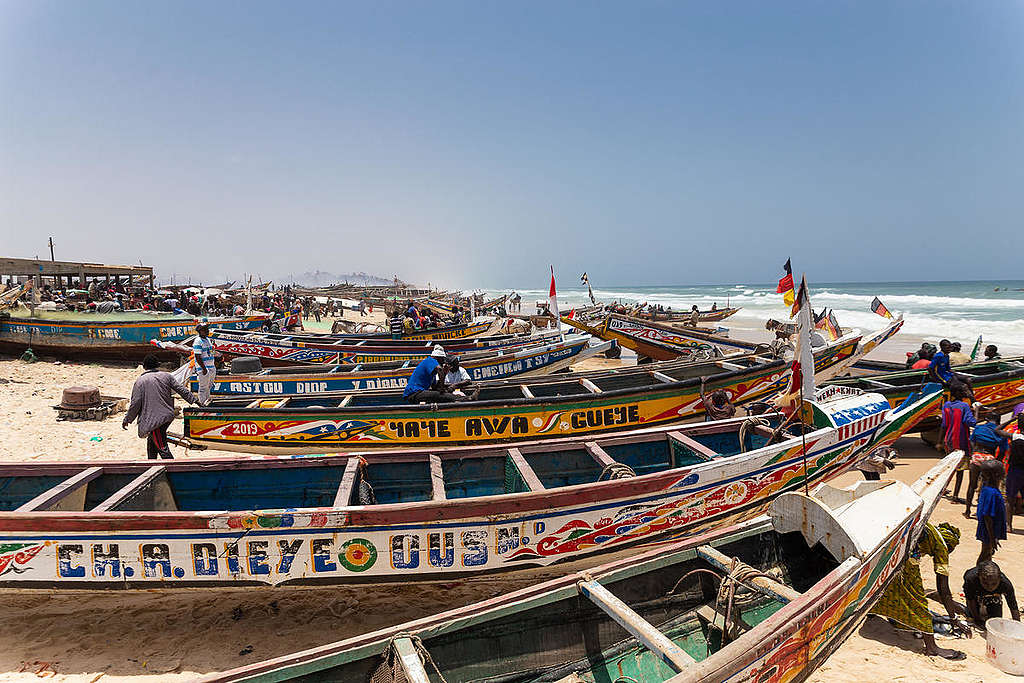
418,515
114,335
767,600
305,349
998,385
539,408
490,365
664,342
683,316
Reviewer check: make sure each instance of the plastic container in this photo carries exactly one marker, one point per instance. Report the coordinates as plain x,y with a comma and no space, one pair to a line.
1005,645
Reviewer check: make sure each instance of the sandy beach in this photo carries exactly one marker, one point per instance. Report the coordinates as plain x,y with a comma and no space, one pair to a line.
151,636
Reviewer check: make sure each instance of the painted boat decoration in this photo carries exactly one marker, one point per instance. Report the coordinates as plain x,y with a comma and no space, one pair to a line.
418,515
124,335
535,409
683,316
287,349
997,384
799,581
492,365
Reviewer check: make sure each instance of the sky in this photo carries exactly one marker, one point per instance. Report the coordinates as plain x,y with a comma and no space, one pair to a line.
472,144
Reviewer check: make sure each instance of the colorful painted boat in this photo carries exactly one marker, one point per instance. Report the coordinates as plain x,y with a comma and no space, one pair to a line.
683,316
120,335
485,366
285,349
535,409
997,384
768,600
415,515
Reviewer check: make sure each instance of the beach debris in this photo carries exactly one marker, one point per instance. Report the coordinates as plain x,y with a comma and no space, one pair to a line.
86,403
245,651
237,614
96,438
28,356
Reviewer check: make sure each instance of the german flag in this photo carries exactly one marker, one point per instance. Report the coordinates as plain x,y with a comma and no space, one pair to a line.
878,307
800,300
785,287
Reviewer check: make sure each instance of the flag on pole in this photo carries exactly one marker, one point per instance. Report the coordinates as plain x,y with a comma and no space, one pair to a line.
977,347
785,287
878,307
801,301
833,325
586,281
552,298
801,380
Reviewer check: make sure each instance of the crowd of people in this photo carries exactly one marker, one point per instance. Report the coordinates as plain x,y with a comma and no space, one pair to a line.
422,318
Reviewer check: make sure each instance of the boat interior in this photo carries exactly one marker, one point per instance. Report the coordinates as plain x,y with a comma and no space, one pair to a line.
911,379
549,386
375,479
644,624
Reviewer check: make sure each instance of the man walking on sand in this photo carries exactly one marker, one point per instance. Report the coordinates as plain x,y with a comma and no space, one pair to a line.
153,406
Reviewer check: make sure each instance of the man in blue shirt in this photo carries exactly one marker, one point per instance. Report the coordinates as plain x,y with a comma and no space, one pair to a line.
420,388
939,370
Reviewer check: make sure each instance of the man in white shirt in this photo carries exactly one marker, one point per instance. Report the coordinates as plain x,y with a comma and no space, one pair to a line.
205,365
457,379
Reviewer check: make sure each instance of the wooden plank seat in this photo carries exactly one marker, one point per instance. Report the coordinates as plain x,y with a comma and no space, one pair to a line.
525,471
698,448
149,491
638,627
67,496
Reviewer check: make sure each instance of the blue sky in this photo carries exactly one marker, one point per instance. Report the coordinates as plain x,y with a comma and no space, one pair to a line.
472,144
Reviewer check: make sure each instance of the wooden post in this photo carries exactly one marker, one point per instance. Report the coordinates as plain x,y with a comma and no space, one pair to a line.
410,659
773,589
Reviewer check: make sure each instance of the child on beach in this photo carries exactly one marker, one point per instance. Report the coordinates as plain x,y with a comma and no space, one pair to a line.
986,439
985,586
991,510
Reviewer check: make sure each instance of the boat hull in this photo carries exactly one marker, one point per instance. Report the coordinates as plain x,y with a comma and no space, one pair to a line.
409,542
115,339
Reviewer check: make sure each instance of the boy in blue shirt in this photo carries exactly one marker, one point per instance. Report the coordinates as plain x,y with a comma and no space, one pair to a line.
991,510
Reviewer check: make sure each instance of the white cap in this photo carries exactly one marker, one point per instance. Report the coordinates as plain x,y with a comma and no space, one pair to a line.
438,351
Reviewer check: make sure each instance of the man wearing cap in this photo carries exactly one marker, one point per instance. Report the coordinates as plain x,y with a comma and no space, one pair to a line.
153,406
420,388
203,359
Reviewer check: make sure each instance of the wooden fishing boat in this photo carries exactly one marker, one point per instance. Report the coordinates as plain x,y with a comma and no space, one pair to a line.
305,349
489,365
768,600
539,408
683,316
664,342
997,384
434,513
118,335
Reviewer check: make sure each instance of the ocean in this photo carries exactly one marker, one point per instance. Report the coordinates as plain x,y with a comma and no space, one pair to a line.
958,311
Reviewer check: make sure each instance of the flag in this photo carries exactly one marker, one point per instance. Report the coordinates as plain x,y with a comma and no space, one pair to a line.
833,325
586,281
785,287
801,380
819,317
552,299
800,302
977,347
878,307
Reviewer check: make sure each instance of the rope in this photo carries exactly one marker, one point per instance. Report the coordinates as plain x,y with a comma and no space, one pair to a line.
424,654
749,424
617,470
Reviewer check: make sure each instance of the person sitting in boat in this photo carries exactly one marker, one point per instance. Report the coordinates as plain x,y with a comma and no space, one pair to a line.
423,383
717,406
914,360
985,586
958,357
991,352
458,382
714,307
694,316
938,369
904,600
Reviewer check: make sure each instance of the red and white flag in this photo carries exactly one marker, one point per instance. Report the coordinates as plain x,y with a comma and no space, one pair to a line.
552,298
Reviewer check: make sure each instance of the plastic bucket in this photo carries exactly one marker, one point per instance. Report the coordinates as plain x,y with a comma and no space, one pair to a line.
1005,642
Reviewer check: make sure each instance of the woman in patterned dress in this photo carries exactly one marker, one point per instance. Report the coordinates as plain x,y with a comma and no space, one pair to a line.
904,599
